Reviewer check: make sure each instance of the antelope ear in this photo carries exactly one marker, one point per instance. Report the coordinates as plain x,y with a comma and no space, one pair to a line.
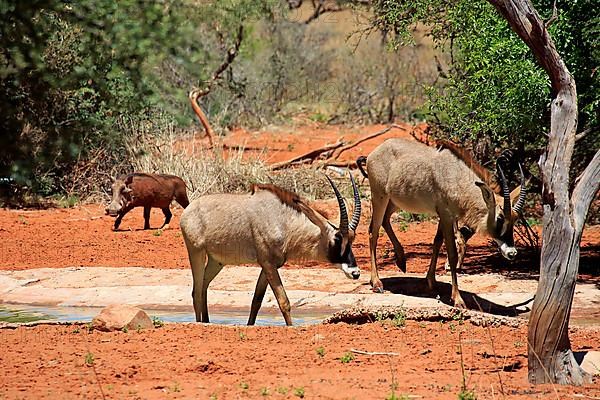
313,216
514,195
488,195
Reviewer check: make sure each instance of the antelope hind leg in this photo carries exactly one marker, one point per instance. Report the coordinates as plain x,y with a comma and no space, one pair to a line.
257,299
398,249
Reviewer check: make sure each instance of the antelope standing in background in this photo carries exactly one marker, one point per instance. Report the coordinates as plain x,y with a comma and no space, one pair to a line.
268,226
404,174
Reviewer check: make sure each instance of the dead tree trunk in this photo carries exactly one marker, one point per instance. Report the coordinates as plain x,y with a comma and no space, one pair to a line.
550,355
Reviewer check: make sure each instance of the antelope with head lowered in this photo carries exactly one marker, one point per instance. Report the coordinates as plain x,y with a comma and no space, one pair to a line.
268,226
408,175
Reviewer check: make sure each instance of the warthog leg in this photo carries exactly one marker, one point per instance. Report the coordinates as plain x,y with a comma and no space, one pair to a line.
147,217
122,213
168,216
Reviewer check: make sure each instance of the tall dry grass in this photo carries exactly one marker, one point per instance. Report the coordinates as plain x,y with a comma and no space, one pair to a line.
215,170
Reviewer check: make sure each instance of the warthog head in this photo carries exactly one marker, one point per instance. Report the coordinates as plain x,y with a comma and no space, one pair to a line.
120,196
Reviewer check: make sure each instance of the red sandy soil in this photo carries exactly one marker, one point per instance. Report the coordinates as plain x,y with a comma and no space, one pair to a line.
217,362
282,144
198,361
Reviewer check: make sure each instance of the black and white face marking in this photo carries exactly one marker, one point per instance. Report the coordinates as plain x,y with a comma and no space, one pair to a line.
343,258
504,237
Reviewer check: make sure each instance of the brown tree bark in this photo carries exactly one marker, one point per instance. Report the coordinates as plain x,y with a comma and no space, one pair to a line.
550,357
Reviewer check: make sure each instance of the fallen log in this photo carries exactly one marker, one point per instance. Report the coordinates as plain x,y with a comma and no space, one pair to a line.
338,152
311,155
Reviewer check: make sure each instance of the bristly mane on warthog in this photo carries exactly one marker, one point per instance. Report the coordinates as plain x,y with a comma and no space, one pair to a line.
268,226
146,190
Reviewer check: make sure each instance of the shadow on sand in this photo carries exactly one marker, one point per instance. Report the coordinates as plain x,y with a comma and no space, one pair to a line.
417,287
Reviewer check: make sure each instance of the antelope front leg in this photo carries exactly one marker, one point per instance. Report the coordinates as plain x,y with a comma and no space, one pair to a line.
379,207
461,247
448,229
259,295
437,243
275,282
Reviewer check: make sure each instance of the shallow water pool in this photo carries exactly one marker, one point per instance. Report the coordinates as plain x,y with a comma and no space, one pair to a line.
25,313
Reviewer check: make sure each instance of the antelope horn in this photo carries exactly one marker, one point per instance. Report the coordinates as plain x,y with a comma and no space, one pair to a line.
518,207
505,190
343,210
357,205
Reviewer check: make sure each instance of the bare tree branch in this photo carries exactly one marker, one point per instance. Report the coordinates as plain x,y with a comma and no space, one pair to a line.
554,16
582,134
587,186
195,94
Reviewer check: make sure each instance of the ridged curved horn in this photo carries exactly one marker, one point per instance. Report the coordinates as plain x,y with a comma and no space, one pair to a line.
357,205
343,210
505,190
518,207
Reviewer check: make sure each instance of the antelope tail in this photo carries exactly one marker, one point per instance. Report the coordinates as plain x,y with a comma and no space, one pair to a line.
360,161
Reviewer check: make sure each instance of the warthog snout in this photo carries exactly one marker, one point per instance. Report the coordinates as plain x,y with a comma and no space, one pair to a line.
112,211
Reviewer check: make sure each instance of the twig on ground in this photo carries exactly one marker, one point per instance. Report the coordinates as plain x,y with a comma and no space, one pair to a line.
373,353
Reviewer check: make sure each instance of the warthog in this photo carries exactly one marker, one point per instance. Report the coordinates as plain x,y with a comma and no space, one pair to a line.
146,190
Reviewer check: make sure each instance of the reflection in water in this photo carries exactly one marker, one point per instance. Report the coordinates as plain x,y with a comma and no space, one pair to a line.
24,313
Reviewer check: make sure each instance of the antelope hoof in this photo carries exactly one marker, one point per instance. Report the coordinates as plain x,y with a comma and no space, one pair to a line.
377,287
431,284
459,303
401,263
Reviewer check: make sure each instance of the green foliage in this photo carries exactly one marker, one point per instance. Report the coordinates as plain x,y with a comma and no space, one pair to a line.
494,89
89,359
72,72
347,357
299,392
282,390
320,351
157,322
394,396
495,94
67,72
467,395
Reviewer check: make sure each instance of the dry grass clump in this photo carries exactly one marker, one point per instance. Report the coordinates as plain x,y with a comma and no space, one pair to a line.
216,170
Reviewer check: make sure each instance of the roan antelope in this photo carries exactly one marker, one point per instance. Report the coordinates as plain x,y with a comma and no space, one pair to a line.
408,175
268,226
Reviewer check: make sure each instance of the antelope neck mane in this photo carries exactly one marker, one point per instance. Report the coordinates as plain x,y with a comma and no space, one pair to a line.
462,154
286,197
